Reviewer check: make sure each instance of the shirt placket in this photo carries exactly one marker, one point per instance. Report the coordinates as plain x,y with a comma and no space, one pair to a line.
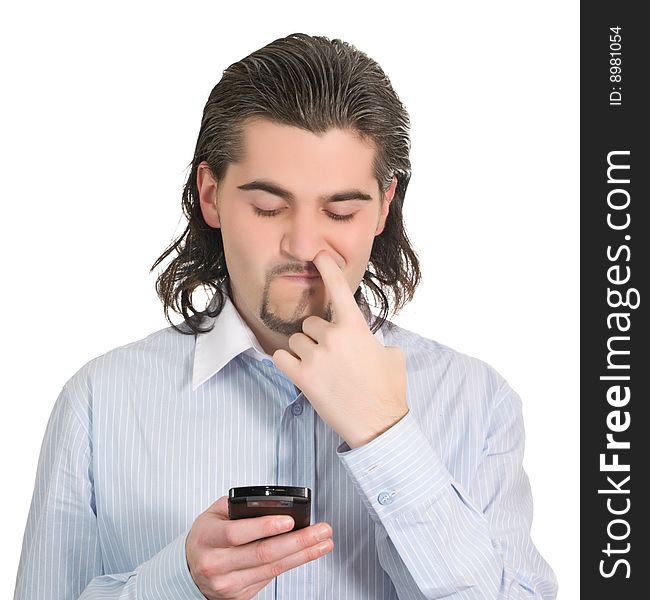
296,467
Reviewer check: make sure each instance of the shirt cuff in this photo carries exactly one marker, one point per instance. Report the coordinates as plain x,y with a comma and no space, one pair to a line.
397,471
167,574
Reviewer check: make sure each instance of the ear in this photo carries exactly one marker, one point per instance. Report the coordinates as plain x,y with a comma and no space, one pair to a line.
208,195
387,198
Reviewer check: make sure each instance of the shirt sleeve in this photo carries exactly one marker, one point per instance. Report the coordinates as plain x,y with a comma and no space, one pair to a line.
61,556
438,540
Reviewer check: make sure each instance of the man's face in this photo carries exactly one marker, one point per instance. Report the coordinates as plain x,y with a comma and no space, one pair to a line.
293,195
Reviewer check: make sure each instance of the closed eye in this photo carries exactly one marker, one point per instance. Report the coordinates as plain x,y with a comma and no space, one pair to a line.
274,212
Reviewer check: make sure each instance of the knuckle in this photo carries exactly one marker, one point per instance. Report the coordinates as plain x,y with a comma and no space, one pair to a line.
306,538
264,552
205,567
219,562
225,585
277,568
312,553
230,536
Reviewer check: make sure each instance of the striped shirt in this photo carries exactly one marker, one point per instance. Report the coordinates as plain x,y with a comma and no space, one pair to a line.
144,438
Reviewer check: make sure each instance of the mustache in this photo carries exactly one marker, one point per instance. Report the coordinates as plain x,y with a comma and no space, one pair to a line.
302,268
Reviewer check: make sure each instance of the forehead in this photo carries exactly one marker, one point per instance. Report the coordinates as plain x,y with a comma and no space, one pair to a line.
306,160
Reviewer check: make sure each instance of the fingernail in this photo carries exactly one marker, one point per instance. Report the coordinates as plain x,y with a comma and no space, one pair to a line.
284,523
322,533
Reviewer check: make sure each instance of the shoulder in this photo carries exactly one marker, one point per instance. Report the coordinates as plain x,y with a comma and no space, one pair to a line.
422,353
162,354
455,396
438,367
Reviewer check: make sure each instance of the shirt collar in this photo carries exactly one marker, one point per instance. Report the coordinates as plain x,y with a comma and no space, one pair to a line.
229,337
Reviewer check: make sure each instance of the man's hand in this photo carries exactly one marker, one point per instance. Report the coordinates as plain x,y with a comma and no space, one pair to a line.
228,560
356,385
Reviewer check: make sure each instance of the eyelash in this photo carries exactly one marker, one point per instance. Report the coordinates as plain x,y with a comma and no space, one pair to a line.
272,213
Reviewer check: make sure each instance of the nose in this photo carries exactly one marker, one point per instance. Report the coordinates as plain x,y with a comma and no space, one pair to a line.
304,236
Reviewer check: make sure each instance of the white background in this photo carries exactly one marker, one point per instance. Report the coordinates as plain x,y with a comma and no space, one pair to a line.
100,110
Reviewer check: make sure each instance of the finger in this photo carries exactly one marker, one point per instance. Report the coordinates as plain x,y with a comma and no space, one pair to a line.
254,575
219,507
287,363
273,549
343,302
315,327
289,562
301,345
237,532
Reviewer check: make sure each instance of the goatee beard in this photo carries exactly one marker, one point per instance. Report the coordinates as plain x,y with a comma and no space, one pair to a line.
294,324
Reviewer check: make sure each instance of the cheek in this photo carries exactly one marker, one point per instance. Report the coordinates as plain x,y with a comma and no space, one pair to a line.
355,245
246,242
361,235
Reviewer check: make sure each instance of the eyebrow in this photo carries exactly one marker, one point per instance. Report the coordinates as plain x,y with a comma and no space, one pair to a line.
276,190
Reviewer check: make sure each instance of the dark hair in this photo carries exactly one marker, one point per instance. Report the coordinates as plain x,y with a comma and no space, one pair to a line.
316,84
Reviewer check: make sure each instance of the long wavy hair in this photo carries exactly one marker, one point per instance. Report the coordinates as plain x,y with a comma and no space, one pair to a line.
316,84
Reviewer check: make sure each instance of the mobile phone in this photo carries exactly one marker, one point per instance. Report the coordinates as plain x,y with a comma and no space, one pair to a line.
261,500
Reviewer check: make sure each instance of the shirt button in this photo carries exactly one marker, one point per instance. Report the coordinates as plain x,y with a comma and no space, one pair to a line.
296,409
385,498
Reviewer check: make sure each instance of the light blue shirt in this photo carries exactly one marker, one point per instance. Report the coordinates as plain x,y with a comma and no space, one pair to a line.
144,438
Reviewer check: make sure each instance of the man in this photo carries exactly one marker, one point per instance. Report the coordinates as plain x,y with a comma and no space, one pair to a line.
412,451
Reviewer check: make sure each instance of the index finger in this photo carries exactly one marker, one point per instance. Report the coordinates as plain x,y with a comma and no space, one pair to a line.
225,532
343,302
237,532
219,507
